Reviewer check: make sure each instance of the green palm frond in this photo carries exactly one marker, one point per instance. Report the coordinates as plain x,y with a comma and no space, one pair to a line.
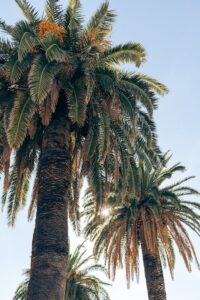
106,81
178,183
128,106
104,137
73,23
53,11
17,69
154,84
27,43
92,138
20,28
73,18
77,104
5,46
53,50
41,78
5,27
28,10
24,161
127,53
17,194
20,117
96,179
137,91
21,291
102,21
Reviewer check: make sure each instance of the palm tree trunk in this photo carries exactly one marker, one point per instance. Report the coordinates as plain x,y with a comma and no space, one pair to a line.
153,273
50,239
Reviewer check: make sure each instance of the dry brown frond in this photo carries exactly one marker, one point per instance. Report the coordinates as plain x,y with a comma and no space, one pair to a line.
32,128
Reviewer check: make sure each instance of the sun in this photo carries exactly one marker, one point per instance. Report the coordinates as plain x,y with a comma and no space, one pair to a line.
105,212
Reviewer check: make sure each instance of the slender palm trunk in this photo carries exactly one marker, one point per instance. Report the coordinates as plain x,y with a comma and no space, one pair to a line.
49,247
153,273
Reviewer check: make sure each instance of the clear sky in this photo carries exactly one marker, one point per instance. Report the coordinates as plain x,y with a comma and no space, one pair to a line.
169,30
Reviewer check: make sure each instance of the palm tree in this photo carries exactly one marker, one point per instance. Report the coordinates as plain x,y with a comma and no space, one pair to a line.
67,111
151,216
81,284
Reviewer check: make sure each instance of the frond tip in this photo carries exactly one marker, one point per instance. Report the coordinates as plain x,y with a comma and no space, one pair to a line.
28,10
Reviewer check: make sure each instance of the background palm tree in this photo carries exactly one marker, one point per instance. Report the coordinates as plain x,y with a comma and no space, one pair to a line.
81,284
67,111
151,216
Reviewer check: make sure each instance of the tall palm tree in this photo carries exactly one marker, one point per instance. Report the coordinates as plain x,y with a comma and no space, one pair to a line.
151,216
67,111
81,284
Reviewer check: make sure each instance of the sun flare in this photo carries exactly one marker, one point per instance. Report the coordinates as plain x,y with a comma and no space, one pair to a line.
105,212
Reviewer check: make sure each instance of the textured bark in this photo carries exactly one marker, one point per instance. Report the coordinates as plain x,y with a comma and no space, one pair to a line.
49,247
154,274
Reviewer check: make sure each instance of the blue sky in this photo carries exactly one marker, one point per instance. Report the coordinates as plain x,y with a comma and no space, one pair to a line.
169,30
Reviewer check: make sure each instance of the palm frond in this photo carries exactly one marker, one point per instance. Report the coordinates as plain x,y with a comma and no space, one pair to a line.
26,45
154,84
5,27
28,10
20,28
17,69
77,104
53,51
102,21
41,78
127,53
20,117
73,18
5,46
53,11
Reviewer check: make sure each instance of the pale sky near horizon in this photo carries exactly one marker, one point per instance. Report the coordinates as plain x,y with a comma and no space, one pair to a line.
169,30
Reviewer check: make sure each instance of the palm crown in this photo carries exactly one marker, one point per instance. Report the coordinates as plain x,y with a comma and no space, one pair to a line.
151,214
57,61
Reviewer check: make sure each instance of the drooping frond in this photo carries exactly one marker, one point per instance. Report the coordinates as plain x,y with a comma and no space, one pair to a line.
26,45
53,50
34,197
17,69
24,161
28,10
138,91
104,137
41,78
77,104
154,84
20,117
48,106
17,194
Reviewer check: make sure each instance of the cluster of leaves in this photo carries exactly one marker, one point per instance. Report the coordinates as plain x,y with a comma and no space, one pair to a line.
57,58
